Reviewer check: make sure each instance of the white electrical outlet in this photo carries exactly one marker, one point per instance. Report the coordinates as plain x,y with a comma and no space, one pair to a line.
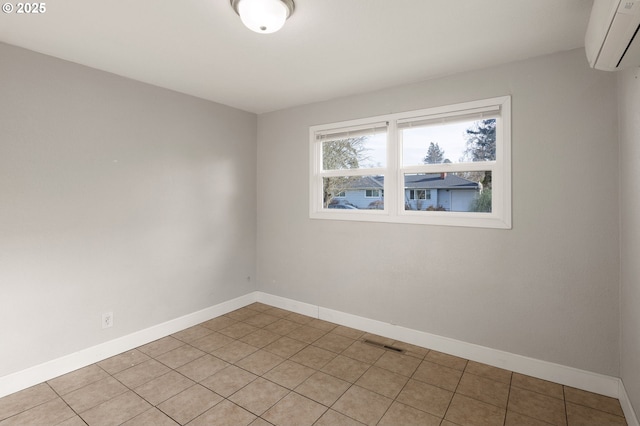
107,320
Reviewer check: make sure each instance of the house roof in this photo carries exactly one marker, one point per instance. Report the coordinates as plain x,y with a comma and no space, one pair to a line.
366,182
438,181
417,181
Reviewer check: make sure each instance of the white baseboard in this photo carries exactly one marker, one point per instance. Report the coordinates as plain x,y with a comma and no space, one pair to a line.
288,304
581,379
57,367
627,408
586,380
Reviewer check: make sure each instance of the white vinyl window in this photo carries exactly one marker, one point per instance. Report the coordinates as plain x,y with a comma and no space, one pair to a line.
447,165
419,194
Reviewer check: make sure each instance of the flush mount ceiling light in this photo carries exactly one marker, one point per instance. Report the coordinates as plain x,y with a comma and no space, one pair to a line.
263,16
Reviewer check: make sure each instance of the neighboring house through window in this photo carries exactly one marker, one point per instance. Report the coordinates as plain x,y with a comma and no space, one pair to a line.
447,165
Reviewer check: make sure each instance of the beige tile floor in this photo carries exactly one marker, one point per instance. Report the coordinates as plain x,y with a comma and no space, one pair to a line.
261,365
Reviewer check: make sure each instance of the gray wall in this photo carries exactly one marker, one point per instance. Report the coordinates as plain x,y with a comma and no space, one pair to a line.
629,111
547,289
114,195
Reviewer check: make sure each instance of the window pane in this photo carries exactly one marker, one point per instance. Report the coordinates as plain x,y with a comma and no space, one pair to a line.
453,192
360,152
457,142
353,192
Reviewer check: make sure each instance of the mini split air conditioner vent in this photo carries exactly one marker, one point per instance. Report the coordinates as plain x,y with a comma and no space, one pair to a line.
612,41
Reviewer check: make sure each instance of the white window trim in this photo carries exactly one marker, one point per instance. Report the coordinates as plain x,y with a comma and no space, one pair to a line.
499,218
426,192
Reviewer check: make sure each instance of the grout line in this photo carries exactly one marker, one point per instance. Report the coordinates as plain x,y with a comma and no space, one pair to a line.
506,409
455,391
564,401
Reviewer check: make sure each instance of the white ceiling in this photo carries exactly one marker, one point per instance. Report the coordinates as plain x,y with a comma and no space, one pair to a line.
327,49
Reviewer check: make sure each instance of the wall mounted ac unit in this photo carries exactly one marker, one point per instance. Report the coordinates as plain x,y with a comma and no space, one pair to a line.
612,41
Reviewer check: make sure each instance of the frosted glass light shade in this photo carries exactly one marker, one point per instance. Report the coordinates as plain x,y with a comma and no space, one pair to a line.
263,16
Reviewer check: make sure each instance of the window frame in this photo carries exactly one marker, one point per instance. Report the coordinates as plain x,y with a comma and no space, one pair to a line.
394,172
425,192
